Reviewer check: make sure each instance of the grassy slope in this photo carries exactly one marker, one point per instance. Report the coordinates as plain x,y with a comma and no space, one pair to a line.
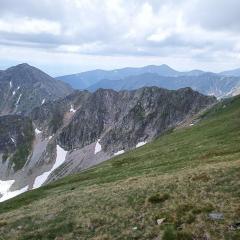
181,176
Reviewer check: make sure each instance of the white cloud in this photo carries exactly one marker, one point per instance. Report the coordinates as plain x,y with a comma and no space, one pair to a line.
29,26
197,31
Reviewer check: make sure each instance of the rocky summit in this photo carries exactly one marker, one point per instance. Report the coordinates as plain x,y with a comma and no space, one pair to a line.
24,87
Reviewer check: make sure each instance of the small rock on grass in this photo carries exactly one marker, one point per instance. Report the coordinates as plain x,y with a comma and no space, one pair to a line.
216,216
235,226
160,221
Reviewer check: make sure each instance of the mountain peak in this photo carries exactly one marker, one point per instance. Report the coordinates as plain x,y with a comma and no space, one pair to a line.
21,66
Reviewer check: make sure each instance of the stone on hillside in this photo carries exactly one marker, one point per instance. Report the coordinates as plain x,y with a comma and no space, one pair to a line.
160,221
216,216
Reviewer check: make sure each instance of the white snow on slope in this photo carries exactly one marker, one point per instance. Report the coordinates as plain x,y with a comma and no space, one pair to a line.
61,155
98,147
140,144
13,140
10,84
13,93
5,186
72,109
119,152
43,101
37,131
18,99
9,194
18,88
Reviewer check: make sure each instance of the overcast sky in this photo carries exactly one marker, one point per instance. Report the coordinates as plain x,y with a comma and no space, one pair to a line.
68,36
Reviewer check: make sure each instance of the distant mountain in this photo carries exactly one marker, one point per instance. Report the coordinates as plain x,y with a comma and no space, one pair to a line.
234,72
83,129
207,83
86,79
220,85
24,87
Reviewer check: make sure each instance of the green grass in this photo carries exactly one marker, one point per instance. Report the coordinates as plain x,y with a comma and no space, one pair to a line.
182,177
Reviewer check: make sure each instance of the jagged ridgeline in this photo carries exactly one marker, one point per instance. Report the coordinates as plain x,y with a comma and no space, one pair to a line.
85,129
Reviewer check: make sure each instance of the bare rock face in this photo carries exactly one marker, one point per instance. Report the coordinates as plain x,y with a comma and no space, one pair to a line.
24,87
83,129
122,119
16,137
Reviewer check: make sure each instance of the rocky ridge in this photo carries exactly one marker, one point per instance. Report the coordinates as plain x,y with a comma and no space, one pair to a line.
84,129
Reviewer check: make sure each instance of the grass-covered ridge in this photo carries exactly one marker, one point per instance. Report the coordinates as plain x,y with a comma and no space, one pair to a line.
182,177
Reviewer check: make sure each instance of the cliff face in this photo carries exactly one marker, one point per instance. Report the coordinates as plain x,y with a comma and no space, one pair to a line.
16,138
83,129
122,119
24,87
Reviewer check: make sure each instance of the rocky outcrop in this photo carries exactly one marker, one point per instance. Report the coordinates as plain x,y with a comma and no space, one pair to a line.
23,87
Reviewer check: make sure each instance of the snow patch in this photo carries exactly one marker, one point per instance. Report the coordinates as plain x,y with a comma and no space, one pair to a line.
43,101
50,137
13,93
61,155
37,131
18,99
18,88
98,147
10,194
5,186
140,144
192,124
72,109
10,84
13,140
119,152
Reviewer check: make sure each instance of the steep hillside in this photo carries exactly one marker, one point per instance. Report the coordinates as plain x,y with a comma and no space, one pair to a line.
184,185
85,129
207,83
16,137
24,87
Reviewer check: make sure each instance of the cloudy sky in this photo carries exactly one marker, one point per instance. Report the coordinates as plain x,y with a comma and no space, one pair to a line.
68,36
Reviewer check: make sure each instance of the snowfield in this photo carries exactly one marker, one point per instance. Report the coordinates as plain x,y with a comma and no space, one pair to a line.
72,109
98,147
10,194
37,131
61,155
119,152
140,144
4,190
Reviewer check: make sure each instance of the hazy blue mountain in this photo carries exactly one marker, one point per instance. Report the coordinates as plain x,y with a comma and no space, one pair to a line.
207,83
234,72
86,79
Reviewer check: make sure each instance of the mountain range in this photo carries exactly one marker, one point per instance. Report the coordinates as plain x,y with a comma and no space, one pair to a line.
66,136
220,85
